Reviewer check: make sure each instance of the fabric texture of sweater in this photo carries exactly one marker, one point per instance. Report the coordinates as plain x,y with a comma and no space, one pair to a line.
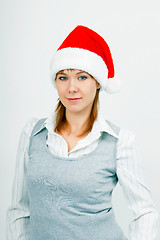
70,198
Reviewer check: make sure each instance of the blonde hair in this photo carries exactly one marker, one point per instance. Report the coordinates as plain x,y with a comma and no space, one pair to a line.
61,122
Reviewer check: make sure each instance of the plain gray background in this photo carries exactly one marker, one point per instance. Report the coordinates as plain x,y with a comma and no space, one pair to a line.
32,30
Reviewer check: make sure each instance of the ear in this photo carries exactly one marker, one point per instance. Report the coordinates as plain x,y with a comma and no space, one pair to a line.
98,85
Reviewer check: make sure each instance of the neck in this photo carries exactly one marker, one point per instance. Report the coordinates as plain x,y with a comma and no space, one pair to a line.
77,121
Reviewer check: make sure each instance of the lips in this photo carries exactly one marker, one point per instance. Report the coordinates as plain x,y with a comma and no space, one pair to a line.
73,98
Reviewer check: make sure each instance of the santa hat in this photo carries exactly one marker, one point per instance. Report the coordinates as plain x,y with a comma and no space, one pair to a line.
86,50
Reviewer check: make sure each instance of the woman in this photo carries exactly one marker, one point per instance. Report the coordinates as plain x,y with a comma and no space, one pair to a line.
69,163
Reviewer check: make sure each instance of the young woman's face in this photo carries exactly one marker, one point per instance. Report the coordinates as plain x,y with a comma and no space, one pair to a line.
76,89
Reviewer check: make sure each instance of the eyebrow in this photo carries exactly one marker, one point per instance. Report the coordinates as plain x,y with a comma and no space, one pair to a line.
76,73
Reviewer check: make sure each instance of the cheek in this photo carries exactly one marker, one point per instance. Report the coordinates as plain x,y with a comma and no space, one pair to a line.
89,95
60,89
91,89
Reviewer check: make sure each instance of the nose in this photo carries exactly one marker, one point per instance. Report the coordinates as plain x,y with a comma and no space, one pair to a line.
72,85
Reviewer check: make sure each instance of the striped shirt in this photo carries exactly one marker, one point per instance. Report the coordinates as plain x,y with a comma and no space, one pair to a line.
129,173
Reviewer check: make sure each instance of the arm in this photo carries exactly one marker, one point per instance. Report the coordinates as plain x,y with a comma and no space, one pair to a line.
136,193
18,213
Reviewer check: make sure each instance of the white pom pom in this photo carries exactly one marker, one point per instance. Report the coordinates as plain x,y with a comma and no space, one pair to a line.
113,85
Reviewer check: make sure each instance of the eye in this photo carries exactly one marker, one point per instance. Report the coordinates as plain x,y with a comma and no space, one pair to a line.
62,78
83,77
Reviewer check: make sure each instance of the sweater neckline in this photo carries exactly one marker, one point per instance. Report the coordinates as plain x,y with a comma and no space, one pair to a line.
44,137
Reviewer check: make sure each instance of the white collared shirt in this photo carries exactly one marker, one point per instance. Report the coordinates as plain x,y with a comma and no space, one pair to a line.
129,172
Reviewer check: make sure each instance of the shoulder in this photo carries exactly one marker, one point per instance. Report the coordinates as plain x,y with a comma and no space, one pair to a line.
127,138
29,125
125,135
24,139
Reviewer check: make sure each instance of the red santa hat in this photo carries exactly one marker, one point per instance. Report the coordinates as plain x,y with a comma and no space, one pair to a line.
86,50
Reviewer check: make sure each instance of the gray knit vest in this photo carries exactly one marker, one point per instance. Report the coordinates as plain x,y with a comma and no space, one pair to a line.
70,198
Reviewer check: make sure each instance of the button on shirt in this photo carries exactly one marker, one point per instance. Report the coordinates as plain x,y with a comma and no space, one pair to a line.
129,173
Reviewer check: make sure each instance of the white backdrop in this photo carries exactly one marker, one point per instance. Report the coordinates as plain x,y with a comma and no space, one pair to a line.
32,30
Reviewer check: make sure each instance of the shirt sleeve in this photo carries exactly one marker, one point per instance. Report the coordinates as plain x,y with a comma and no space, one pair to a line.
18,214
138,197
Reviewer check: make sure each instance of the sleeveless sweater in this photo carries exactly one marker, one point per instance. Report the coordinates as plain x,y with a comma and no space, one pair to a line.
70,198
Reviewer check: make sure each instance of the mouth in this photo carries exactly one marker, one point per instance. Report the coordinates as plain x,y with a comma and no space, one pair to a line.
74,99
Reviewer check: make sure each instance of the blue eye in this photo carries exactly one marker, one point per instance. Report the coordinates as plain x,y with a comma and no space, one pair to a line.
62,78
83,77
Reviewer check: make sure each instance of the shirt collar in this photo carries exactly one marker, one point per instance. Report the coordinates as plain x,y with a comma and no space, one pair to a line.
100,125
41,127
